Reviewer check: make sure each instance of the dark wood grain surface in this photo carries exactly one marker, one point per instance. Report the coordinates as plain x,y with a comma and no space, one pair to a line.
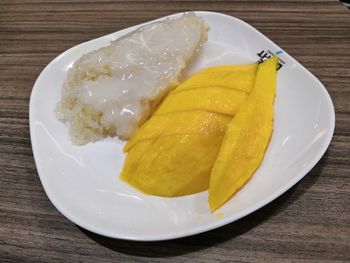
309,223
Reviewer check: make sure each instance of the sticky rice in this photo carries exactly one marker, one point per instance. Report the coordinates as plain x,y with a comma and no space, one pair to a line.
113,90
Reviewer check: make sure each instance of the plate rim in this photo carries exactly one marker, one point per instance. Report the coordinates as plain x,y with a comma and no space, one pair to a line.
200,228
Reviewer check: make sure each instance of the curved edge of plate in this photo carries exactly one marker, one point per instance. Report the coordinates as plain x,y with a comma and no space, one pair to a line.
197,230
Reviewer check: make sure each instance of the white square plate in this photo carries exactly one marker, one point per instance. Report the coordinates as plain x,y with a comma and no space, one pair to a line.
83,181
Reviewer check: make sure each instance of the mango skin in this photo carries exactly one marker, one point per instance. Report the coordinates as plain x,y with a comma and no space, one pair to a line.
246,138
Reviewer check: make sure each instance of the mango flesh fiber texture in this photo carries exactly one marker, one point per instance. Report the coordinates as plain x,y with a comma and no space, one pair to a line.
190,142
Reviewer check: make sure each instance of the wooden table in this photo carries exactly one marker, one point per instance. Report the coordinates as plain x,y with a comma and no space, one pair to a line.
309,223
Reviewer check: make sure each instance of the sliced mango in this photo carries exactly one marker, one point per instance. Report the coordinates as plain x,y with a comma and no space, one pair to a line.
191,107
214,99
237,77
174,152
192,122
131,160
245,139
172,165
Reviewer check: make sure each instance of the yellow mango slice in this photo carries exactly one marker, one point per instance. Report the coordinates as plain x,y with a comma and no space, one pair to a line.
193,104
173,153
131,160
237,77
245,139
214,99
172,165
192,122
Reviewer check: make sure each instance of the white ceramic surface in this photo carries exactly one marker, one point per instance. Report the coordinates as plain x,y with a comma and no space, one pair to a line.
82,181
